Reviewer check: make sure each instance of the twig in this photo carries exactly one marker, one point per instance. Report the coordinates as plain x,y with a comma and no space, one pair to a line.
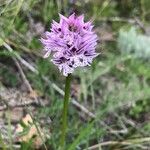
6,106
23,76
25,63
117,19
59,90
135,20
126,142
82,108
140,24
15,146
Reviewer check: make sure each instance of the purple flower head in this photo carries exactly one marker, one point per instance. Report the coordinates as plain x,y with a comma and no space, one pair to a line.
71,42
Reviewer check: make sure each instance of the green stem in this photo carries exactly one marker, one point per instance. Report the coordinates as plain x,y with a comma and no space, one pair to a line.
65,110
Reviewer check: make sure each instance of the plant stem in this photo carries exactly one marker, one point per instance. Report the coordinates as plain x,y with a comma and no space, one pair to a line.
65,110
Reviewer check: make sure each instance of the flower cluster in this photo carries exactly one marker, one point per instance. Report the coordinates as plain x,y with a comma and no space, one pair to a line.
71,42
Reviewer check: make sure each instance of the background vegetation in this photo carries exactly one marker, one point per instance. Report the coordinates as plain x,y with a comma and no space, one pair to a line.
110,102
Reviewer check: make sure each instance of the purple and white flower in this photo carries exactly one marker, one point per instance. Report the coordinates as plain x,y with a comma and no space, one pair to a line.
71,42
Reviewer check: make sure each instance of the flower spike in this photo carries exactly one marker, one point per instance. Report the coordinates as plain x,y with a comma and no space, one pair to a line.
71,42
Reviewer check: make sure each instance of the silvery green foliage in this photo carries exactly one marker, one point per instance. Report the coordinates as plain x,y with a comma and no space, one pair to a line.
131,42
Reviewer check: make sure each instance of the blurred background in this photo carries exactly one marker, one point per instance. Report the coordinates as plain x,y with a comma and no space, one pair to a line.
110,101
